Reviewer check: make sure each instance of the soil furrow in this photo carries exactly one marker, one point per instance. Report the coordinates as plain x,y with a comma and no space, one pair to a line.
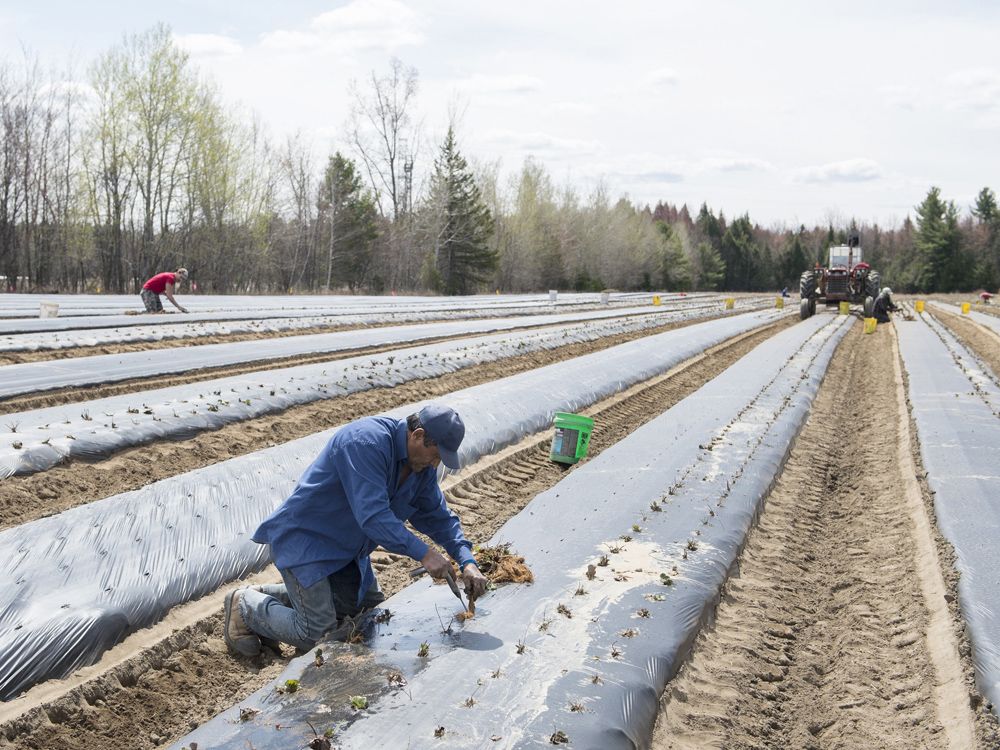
24,498
978,339
184,679
822,639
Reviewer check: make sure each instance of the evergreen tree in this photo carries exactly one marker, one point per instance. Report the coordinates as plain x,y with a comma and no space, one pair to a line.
742,256
348,216
985,209
938,244
461,256
793,263
675,271
713,268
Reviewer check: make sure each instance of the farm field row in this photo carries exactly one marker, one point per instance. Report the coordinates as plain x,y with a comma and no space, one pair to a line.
704,432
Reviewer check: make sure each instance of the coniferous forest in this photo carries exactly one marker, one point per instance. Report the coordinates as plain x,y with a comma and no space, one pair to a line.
147,168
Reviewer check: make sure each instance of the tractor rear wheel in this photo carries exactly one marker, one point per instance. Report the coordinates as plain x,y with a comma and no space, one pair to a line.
872,283
806,308
869,307
807,285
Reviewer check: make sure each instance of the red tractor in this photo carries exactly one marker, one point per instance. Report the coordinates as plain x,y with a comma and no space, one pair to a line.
847,279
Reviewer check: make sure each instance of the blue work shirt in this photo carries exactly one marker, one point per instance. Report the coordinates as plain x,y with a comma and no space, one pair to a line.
349,501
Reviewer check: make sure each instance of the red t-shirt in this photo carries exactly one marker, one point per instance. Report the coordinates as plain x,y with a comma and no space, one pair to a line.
159,282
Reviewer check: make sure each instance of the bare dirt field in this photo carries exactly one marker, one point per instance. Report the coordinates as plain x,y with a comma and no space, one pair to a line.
839,628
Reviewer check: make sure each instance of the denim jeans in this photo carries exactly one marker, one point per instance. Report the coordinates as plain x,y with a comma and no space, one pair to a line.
300,615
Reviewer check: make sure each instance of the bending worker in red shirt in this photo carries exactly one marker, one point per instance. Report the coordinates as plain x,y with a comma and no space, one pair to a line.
162,283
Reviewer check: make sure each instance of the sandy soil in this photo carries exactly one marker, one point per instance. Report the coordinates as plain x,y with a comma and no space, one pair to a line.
982,341
75,483
830,635
182,680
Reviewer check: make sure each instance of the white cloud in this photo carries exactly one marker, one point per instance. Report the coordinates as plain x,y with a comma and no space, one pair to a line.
663,77
652,177
976,92
208,45
539,143
735,164
74,89
360,25
503,84
849,170
572,108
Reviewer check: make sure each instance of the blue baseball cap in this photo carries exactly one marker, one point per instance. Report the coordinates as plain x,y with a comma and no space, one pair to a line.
446,428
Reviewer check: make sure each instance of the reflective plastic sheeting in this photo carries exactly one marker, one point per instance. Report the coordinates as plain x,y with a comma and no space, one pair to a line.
30,377
143,552
94,429
955,402
597,652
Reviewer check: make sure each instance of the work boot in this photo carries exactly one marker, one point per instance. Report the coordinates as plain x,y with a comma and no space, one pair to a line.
239,638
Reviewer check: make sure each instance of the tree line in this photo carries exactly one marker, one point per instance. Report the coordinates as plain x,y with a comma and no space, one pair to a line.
146,168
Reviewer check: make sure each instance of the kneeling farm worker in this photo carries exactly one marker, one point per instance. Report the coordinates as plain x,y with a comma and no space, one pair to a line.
884,305
371,477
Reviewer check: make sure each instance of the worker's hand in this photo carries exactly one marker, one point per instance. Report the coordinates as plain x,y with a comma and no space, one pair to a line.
475,582
183,309
436,564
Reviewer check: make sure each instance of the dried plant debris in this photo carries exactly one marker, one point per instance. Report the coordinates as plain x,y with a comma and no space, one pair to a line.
383,616
500,565
246,714
396,679
439,732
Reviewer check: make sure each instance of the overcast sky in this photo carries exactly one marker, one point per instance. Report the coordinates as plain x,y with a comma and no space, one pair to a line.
791,111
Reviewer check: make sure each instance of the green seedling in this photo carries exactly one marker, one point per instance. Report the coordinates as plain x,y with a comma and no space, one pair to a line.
630,633
655,507
625,538
656,597
290,686
424,650
666,580
359,702
636,528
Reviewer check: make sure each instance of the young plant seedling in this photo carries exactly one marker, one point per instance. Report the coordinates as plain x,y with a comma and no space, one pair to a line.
359,702
520,647
383,617
655,507
603,562
643,612
291,686
692,545
666,580
580,591
591,572
248,713
636,528
625,538
576,707
439,732
656,597
564,611
496,673
615,549
596,679
630,633
424,650
615,651
559,737
318,661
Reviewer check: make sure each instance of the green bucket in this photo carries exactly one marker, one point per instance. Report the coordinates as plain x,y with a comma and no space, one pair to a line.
572,437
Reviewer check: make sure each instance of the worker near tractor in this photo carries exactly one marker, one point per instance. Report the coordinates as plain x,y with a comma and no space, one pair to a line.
884,305
163,283
371,477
